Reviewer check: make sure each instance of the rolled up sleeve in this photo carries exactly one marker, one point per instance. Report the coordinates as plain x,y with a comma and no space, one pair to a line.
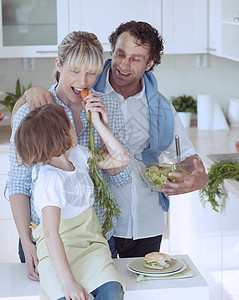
19,177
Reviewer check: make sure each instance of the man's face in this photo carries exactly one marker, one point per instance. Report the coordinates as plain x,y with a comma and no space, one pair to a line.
129,61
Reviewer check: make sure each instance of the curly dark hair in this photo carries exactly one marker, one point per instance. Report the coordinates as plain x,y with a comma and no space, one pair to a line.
145,35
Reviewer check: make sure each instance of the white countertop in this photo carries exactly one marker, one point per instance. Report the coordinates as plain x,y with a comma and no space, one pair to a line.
15,285
205,141
215,142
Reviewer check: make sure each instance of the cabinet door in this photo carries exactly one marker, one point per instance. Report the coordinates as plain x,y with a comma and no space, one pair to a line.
214,27
230,29
102,18
224,28
8,231
184,26
32,28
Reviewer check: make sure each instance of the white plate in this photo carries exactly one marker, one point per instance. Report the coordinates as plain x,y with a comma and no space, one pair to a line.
137,266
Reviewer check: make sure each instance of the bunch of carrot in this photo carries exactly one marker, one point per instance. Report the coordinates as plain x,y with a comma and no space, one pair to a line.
107,203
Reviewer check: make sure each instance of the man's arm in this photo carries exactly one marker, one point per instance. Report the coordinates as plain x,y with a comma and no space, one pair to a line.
35,97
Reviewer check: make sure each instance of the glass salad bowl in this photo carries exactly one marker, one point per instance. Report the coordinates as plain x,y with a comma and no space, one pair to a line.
156,173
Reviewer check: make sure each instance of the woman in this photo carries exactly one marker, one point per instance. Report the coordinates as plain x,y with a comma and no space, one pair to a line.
77,65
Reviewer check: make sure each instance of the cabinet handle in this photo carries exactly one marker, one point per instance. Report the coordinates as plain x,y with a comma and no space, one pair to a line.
211,49
52,51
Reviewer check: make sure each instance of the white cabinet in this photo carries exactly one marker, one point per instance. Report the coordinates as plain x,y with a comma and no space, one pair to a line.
184,26
31,28
210,239
224,28
8,231
102,18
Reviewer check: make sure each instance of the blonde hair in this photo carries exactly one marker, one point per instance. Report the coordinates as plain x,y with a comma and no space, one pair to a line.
81,50
42,134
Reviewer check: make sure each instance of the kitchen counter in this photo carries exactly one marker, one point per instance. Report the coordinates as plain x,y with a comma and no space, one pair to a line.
213,142
205,141
14,284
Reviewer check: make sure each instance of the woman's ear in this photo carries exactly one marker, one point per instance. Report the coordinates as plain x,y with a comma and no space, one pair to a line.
149,65
58,65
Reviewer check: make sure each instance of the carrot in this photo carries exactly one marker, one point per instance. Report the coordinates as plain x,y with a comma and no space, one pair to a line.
84,93
106,202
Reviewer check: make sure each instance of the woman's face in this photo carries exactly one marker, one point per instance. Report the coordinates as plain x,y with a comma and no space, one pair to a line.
71,82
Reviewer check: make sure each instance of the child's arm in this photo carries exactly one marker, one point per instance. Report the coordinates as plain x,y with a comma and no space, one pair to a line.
116,157
51,222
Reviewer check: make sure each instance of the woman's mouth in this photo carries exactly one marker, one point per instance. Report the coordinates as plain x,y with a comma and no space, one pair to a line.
76,91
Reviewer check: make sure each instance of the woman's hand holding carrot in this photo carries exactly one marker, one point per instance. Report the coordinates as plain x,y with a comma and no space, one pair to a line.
93,103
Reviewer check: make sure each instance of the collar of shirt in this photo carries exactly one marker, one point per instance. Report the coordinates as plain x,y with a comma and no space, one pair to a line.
141,95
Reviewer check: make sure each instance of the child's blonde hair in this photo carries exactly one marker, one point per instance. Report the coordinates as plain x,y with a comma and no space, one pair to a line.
81,50
42,134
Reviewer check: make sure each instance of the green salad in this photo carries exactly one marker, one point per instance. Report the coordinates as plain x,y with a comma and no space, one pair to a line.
155,176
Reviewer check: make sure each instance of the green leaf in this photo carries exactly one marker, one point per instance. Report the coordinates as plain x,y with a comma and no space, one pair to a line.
11,98
107,204
184,104
18,88
216,174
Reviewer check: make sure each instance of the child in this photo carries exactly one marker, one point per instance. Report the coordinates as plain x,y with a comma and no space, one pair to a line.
74,258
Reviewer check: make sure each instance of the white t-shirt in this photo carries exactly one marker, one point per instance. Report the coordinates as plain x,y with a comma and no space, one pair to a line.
141,214
72,191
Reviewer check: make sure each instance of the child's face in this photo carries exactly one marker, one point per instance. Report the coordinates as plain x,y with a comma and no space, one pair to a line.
71,82
73,136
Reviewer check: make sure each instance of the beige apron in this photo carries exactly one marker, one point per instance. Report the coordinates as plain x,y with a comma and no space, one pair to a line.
87,252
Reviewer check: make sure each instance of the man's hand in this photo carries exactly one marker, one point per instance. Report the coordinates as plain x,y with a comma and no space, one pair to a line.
37,96
191,182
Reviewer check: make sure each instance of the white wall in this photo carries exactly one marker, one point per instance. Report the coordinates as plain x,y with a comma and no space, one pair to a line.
176,75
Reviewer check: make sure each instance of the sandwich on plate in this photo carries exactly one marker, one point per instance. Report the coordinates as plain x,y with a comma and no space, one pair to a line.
157,260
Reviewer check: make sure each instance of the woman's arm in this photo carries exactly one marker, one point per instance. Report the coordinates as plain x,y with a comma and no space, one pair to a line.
115,156
20,207
51,222
19,186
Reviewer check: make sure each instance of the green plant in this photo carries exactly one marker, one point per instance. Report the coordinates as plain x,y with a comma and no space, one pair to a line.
217,173
10,100
184,104
107,204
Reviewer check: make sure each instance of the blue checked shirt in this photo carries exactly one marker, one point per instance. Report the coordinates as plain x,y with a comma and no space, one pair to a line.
22,179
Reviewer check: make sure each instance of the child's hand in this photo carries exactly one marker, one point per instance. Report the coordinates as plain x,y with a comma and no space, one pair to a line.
99,110
72,290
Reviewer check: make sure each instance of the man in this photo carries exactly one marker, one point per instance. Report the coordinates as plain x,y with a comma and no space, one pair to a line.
151,123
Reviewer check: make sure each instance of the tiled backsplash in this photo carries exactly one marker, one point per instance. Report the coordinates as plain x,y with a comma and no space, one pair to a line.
176,75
